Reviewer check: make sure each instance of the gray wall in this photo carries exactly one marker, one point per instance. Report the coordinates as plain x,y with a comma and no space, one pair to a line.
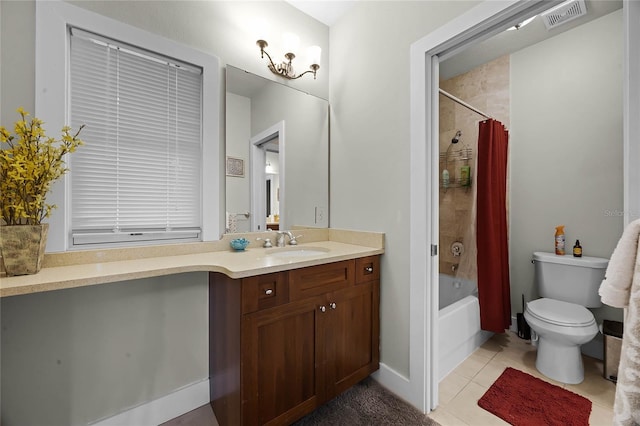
70,357
161,321
237,143
17,60
221,28
370,141
566,148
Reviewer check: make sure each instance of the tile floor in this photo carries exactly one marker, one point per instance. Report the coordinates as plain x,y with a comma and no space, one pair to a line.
463,387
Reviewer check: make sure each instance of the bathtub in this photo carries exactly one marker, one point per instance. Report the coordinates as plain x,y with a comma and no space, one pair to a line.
459,323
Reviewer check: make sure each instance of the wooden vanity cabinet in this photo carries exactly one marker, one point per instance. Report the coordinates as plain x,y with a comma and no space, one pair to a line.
283,344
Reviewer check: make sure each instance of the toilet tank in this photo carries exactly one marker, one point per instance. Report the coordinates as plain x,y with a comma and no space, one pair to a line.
570,279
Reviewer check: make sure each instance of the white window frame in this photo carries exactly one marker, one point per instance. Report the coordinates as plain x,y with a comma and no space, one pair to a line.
52,102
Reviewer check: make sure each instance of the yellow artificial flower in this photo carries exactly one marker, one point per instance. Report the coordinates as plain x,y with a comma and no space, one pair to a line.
28,166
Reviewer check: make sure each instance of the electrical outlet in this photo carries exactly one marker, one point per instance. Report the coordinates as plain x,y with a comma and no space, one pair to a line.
320,214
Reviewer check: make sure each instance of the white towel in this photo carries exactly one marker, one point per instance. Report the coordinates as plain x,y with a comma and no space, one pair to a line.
621,289
616,286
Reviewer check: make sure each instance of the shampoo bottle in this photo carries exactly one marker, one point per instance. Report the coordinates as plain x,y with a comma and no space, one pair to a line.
465,172
560,240
445,178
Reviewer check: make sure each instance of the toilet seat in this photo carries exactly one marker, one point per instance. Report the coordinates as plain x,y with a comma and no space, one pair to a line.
560,313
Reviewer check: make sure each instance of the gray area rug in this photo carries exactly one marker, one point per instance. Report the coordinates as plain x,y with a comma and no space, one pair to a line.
367,403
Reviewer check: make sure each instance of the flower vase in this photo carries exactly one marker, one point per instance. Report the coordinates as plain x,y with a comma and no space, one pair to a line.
22,248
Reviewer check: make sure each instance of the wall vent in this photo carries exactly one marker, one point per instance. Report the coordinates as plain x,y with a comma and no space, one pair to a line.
563,13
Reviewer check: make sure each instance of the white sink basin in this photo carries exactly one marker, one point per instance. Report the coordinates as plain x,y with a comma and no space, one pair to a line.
287,252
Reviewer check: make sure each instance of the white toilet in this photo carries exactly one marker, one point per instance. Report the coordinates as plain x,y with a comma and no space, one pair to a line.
560,319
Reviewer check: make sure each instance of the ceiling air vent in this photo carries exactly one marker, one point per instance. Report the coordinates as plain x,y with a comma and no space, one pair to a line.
563,13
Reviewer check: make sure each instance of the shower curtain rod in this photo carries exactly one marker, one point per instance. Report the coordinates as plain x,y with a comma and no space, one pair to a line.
464,104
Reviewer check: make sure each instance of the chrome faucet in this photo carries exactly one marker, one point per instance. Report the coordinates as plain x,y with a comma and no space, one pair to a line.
280,240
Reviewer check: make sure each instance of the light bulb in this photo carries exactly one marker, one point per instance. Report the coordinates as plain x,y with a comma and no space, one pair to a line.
260,29
314,53
290,42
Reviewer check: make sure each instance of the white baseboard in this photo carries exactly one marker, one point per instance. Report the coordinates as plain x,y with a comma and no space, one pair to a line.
514,325
162,409
396,383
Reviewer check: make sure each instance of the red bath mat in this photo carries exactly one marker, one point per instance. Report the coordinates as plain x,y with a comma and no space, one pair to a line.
524,400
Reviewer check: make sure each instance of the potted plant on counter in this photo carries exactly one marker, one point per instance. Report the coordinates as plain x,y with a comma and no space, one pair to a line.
30,162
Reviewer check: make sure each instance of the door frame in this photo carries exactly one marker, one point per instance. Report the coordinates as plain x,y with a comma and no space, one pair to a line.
477,24
631,109
257,159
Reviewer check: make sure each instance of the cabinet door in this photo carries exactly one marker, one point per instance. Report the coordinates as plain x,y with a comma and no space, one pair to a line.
283,351
352,336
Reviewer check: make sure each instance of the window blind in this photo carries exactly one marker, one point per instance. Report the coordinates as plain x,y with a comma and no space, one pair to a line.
138,176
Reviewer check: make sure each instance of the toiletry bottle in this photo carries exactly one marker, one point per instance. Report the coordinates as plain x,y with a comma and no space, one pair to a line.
577,249
445,178
560,240
465,172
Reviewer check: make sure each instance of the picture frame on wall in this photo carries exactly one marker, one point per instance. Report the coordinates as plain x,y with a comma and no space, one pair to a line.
235,167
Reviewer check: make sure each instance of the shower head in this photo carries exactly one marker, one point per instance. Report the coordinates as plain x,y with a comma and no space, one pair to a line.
457,137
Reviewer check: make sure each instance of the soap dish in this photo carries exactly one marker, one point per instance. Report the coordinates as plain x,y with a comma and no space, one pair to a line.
239,244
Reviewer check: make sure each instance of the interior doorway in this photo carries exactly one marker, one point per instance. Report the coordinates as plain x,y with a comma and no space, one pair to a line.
480,23
267,171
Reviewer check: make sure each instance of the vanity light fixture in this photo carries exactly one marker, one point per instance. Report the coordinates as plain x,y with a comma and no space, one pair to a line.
285,69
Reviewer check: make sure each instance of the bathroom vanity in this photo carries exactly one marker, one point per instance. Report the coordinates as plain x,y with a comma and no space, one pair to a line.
289,327
282,344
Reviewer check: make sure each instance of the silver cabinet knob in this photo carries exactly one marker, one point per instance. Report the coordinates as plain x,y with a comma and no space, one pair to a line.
268,292
332,305
323,309
368,269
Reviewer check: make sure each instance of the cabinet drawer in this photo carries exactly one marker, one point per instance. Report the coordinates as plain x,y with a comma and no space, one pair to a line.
264,291
321,279
367,269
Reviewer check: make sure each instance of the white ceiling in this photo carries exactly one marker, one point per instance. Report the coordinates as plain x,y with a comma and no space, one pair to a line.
325,11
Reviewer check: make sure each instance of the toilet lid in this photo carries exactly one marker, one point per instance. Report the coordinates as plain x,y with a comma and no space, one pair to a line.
560,313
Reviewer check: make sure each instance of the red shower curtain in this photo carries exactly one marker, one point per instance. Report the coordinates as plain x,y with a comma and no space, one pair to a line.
491,223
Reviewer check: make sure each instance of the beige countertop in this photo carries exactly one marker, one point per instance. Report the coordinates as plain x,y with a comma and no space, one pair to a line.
78,269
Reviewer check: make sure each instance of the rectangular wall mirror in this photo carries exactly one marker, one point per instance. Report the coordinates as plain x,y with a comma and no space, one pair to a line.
277,155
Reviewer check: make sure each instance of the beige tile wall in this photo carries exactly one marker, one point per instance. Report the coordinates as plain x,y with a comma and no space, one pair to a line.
487,89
